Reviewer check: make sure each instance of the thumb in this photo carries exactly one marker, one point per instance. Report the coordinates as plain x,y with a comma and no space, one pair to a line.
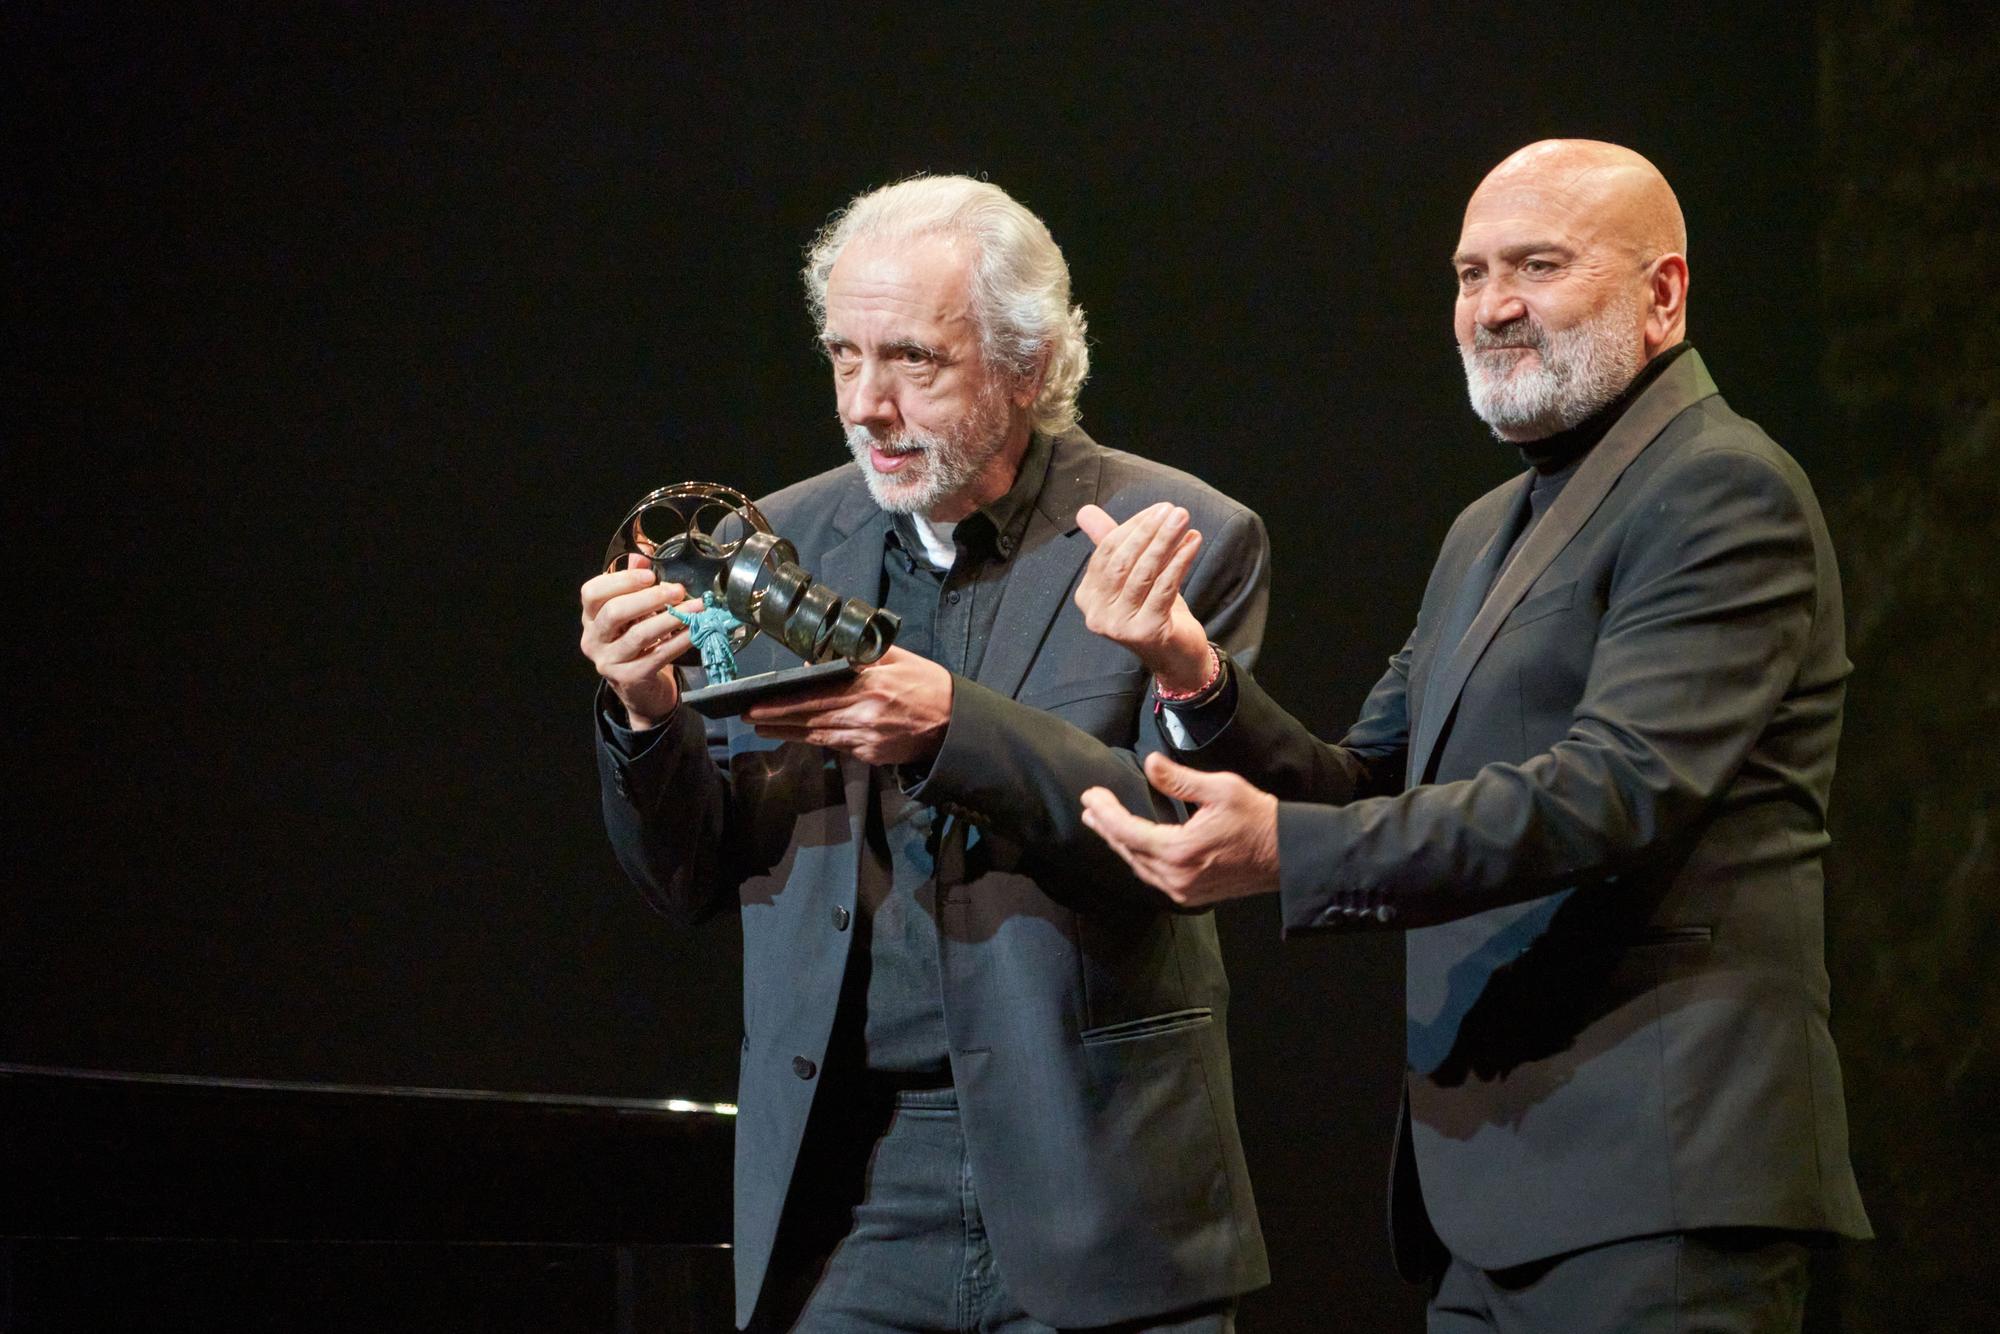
1177,780
1096,524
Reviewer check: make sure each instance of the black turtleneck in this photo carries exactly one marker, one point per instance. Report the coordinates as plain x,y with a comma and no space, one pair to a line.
1554,453
1555,458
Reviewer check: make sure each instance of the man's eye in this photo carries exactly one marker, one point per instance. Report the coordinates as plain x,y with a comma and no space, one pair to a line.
1539,266
914,356
1467,277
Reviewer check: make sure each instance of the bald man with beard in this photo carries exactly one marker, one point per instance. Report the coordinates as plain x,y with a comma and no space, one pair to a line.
1591,788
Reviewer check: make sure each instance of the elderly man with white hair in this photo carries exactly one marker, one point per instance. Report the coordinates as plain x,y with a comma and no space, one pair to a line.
985,1082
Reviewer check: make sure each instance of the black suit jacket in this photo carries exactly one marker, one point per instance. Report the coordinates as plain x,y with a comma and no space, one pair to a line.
1085,1019
1596,797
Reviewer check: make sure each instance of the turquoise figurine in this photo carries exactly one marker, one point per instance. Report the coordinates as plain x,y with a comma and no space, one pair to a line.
709,628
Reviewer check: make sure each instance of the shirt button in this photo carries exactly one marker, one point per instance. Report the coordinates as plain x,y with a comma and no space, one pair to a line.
840,917
803,1068
952,597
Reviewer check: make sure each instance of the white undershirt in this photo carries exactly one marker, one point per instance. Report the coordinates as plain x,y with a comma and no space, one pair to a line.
936,538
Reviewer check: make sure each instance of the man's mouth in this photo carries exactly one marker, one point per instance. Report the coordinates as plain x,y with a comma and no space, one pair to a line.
888,456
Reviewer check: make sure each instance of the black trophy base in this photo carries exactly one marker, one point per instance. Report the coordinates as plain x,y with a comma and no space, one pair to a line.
732,697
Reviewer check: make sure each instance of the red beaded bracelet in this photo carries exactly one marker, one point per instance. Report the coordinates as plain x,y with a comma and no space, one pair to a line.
1166,696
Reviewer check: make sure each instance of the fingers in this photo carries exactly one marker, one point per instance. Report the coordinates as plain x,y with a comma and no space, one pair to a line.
1128,561
1195,785
648,634
612,601
1159,549
1160,597
1125,831
601,589
884,679
644,668
1096,524
1117,553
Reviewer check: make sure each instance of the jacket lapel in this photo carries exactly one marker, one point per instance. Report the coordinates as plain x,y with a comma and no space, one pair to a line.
1679,387
852,567
1053,550
1472,590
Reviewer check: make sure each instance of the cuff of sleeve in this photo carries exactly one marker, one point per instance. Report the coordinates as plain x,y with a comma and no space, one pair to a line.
972,706
627,744
1309,846
1189,727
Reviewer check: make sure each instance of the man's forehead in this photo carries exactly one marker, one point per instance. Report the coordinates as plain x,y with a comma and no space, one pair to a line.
1597,194
920,277
1508,212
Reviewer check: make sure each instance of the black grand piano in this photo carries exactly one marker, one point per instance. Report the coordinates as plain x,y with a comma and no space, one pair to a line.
150,1202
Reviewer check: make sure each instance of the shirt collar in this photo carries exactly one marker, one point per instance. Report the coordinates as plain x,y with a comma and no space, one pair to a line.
994,528
1561,452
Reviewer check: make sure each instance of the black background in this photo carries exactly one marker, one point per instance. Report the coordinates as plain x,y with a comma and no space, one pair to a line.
338,338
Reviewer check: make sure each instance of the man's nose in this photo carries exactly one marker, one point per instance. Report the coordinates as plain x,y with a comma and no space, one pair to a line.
871,397
1499,304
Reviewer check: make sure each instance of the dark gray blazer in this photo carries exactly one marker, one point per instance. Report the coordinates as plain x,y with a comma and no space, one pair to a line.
1086,1020
1597,800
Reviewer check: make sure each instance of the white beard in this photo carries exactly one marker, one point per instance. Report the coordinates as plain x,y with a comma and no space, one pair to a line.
1578,371
941,466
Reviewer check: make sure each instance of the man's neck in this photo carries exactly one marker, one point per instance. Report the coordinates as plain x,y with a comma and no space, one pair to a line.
1553,453
995,480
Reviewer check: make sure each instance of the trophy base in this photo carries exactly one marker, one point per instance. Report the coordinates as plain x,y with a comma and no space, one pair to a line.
732,697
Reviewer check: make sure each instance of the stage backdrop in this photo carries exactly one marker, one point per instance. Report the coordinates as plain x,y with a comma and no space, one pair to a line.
339,338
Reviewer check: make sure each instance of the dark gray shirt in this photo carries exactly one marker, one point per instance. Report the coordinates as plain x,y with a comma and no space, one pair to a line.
891,1005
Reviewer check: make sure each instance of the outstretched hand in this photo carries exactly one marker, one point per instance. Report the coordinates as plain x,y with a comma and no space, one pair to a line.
1131,591
1228,849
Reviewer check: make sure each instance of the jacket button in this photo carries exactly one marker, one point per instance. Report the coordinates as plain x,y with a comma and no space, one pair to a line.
803,1068
841,917
1384,913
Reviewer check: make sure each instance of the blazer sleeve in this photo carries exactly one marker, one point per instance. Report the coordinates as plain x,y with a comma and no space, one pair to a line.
1708,618
1277,752
679,855
1021,772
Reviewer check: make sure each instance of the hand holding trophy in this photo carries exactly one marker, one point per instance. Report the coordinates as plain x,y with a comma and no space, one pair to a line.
711,542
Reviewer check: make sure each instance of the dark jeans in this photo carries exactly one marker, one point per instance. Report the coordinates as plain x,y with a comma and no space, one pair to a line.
1710,1281
882,1231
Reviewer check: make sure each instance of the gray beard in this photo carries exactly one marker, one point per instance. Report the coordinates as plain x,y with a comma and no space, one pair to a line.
1581,369
945,464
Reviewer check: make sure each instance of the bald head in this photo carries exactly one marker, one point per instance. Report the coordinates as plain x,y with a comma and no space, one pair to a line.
1572,275
1606,189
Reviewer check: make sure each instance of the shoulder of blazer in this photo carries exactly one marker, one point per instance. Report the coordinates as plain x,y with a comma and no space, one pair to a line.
817,512
1708,440
1128,483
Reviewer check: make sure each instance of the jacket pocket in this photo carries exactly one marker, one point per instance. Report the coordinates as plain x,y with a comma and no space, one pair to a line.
1152,1026
1674,935
1545,603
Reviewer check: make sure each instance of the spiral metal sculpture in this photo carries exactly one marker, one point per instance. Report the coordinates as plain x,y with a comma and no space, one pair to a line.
708,537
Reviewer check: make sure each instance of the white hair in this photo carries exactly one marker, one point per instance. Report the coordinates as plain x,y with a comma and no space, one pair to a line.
1020,284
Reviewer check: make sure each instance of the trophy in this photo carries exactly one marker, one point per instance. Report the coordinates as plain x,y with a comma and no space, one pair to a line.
713,541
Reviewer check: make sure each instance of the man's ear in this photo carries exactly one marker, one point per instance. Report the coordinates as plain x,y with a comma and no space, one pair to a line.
1667,292
1028,385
